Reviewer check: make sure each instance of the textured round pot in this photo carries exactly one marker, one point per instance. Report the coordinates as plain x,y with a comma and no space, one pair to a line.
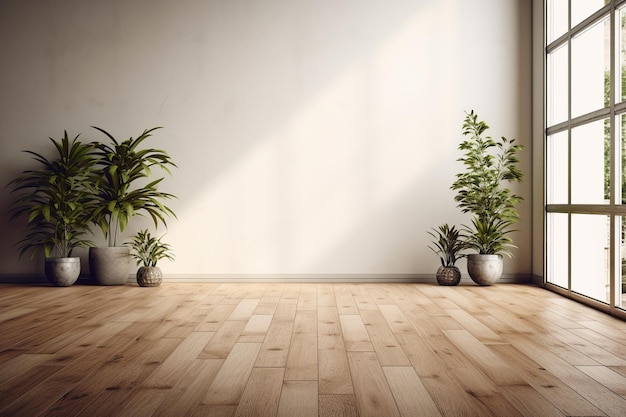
109,265
62,272
484,269
149,276
448,275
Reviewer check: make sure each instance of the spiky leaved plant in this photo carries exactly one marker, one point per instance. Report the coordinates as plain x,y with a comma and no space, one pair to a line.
449,243
148,250
57,198
122,193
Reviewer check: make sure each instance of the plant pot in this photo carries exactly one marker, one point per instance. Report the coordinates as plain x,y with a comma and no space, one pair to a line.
149,276
484,269
109,265
62,272
448,275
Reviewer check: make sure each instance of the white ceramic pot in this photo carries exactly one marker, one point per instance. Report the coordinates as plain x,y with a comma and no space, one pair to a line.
484,269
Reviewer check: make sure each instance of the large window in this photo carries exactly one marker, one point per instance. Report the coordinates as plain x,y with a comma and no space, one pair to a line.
585,150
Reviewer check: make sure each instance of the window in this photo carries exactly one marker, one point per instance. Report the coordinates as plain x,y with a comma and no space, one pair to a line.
585,148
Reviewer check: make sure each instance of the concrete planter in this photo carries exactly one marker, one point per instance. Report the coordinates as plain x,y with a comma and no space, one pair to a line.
62,272
109,265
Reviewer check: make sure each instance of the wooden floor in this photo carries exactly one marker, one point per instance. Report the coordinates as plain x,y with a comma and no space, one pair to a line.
307,350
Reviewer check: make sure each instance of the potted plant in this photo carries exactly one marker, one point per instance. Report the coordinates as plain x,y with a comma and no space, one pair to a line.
148,250
490,165
125,190
57,199
449,242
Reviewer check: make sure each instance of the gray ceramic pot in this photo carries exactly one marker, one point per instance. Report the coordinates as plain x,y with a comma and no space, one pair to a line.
109,265
62,272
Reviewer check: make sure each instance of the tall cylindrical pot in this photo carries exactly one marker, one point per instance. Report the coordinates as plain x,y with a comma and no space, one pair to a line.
62,272
109,265
484,269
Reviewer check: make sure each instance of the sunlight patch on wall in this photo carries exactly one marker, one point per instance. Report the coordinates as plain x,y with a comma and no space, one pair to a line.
341,166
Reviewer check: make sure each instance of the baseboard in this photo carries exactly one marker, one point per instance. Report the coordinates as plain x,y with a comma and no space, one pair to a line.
279,278
537,280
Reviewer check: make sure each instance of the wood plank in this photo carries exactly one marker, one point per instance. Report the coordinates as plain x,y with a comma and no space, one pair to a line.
529,402
411,396
256,328
333,369
275,348
231,380
262,393
223,340
373,395
607,377
214,320
385,343
302,358
338,406
487,361
355,334
244,309
564,398
298,398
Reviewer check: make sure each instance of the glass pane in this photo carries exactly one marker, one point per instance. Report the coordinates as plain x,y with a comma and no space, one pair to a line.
590,256
590,68
590,165
556,175
620,300
557,18
557,80
557,270
621,162
620,93
582,9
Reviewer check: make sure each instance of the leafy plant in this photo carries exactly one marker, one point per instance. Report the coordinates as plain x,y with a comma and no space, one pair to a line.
449,243
148,250
481,188
57,199
121,194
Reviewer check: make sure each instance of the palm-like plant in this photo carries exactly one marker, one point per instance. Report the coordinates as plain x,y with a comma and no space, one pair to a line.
120,192
148,250
57,199
481,188
449,243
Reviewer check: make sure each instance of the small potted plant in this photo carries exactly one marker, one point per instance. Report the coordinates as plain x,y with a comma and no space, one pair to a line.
449,242
57,199
148,250
482,191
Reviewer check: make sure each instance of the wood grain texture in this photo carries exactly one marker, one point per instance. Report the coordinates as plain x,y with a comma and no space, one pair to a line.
346,350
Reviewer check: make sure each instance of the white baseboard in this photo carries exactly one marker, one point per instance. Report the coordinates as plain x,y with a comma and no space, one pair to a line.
279,278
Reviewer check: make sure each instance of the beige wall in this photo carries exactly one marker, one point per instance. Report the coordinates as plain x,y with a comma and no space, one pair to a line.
313,137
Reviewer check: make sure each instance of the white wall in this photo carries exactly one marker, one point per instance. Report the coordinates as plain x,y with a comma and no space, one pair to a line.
313,137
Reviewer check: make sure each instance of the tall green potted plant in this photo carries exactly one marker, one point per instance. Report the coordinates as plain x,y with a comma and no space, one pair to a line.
125,189
482,190
57,199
